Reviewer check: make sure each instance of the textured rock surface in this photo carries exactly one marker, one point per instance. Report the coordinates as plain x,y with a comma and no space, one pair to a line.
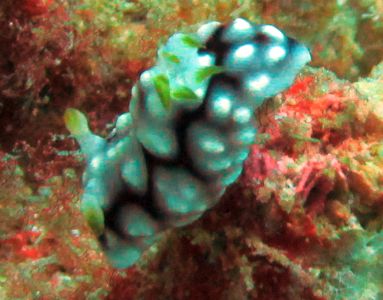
304,220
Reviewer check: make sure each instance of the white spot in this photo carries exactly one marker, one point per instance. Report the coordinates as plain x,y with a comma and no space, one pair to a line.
124,121
219,163
96,162
134,91
206,30
199,92
157,137
145,75
205,60
241,24
239,30
207,140
242,115
276,53
244,51
75,232
121,146
212,146
134,173
259,83
247,135
273,32
35,229
244,136
136,222
303,55
111,153
222,106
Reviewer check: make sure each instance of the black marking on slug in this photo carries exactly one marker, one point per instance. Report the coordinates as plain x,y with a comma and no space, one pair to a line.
212,117
216,45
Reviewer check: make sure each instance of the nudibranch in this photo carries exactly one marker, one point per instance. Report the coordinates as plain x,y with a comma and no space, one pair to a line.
189,129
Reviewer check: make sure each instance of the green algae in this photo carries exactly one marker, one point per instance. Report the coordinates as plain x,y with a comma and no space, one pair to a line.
162,85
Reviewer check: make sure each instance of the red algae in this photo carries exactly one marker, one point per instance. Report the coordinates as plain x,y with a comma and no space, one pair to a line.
282,221
42,246
47,64
35,7
47,158
303,222
22,245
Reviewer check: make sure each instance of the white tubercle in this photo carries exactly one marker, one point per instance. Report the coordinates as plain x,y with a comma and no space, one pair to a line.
273,31
206,30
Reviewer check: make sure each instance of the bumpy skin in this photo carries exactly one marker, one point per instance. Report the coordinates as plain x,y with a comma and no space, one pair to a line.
189,129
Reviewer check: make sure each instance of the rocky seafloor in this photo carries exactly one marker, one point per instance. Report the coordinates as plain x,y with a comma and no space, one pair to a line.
304,221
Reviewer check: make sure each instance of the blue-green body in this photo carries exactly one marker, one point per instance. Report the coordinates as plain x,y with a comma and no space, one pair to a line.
189,129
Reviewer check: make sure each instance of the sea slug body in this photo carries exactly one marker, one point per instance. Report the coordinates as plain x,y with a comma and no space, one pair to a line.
188,131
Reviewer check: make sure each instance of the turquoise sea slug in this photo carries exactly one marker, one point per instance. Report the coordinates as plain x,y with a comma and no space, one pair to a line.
188,131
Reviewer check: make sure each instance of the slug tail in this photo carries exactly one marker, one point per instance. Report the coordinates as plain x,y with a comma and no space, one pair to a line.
77,124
